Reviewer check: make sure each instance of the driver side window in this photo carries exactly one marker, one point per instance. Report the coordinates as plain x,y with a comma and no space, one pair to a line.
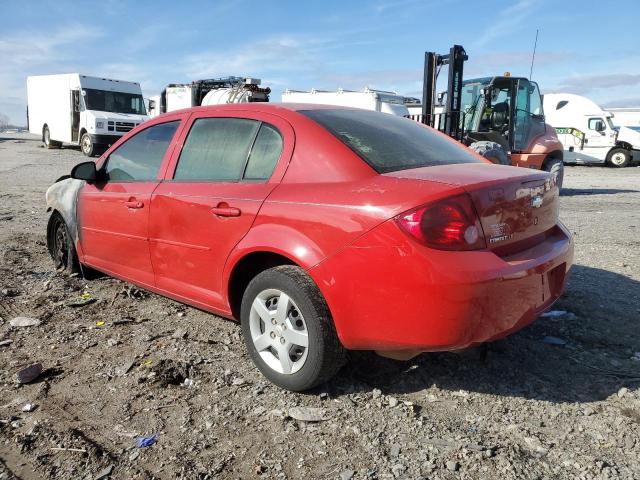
139,158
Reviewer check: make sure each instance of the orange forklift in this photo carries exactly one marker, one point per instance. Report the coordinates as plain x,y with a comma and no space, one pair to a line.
501,118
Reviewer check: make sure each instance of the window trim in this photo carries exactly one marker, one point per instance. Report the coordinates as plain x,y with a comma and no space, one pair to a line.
175,135
246,160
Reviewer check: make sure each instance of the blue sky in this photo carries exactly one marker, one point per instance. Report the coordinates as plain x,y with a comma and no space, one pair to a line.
586,47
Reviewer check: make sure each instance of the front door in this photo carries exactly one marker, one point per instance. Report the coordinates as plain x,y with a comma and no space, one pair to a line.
113,215
214,189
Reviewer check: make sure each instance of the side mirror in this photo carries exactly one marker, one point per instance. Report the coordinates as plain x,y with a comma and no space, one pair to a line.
599,126
85,171
152,104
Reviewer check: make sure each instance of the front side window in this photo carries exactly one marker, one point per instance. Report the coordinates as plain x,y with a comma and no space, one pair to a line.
228,150
117,102
389,143
139,158
596,124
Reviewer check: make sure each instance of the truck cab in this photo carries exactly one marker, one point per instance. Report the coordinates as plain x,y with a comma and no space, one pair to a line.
509,111
587,131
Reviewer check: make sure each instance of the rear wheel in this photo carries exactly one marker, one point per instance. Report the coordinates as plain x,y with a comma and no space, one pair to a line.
618,157
288,329
491,151
61,245
46,139
555,166
87,145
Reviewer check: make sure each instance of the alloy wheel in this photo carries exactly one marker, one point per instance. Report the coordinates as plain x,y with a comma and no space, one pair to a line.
278,331
60,246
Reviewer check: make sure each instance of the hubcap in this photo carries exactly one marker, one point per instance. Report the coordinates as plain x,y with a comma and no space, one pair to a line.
618,158
46,136
86,143
278,331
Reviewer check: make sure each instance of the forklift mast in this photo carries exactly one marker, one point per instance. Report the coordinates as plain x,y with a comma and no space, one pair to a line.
432,64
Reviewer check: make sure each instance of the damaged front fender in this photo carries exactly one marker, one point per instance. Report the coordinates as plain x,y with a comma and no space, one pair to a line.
62,197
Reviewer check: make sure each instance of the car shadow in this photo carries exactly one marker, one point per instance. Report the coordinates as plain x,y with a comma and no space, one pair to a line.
601,334
570,192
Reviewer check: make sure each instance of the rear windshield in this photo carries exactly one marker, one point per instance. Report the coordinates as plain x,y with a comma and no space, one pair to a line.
389,143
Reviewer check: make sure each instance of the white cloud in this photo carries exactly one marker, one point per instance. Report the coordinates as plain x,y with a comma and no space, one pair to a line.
508,21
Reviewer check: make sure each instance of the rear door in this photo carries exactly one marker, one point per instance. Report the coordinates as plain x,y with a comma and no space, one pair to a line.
228,164
113,215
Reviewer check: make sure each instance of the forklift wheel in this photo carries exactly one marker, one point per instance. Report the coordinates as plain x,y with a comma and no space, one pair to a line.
492,151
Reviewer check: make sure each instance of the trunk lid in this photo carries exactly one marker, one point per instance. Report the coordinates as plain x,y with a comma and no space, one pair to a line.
517,207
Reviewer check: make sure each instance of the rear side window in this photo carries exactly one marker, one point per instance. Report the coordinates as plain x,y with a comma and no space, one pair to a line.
264,154
139,158
229,149
389,143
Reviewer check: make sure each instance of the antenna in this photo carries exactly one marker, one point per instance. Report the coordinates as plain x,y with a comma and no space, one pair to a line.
533,57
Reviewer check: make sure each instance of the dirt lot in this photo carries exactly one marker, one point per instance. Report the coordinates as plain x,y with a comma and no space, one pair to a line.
558,400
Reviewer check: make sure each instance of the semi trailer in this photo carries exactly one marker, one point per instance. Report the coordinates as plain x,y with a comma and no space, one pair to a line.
367,99
91,112
213,91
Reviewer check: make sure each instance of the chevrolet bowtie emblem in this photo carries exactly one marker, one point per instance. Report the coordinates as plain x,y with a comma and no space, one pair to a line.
536,202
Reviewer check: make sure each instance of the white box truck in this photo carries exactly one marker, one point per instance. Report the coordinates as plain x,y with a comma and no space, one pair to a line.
587,132
91,112
368,99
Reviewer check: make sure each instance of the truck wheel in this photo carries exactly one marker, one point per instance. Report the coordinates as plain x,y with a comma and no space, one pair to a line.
46,139
491,151
288,329
87,146
618,157
555,166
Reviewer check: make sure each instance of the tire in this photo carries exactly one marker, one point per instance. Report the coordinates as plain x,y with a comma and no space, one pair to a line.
491,151
555,166
61,246
87,146
46,139
618,158
276,330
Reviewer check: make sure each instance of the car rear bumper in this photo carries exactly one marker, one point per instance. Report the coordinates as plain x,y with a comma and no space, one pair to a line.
388,293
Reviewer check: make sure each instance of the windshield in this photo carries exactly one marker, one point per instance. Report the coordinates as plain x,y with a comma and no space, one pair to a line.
117,102
472,91
389,143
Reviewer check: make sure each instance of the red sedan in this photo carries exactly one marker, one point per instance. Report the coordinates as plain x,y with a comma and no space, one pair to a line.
321,229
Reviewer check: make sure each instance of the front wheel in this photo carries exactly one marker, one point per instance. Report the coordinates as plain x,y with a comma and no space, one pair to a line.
61,245
87,145
288,329
492,151
618,157
555,166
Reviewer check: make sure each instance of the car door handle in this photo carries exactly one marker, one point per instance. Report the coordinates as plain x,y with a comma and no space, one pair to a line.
224,210
133,203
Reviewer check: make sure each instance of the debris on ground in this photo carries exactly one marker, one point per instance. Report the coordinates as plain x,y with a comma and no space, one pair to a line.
29,407
30,373
20,322
144,442
551,340
308,414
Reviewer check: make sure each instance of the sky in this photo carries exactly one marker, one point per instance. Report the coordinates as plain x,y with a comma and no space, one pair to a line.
321,44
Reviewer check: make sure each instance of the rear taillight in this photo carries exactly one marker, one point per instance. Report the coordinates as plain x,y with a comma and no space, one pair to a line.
447,224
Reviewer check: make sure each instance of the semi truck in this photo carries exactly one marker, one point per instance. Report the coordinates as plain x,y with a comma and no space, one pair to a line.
367,99
213,91
587,131
92,112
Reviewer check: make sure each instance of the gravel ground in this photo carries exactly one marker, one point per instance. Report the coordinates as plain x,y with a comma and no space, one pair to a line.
558,400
